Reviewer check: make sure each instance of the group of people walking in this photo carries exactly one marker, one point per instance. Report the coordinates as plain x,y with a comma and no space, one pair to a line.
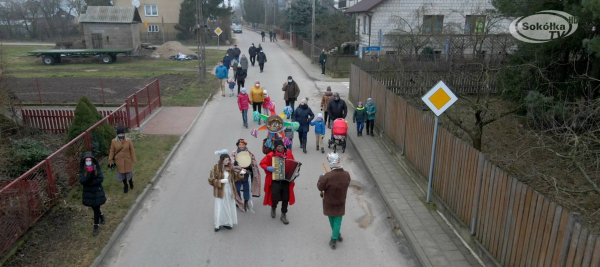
121,157
239,66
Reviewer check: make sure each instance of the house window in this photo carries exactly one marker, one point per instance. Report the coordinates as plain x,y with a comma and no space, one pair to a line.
342,4
151,10
152,28
475,24
433,24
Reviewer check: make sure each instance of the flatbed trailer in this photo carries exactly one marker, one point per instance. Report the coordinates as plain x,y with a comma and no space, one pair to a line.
53,56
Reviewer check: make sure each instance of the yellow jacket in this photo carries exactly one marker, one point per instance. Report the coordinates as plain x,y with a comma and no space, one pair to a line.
256,94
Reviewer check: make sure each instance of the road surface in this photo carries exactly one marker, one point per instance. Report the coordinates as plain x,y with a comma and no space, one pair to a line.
174,227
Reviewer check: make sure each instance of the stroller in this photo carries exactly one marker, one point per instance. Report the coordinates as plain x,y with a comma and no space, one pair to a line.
338,138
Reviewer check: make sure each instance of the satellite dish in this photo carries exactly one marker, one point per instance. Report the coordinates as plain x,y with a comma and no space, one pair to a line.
135,3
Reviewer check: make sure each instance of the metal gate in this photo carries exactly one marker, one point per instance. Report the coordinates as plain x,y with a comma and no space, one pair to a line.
96,40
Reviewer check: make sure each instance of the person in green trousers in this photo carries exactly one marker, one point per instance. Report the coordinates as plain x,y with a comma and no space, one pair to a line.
334,188
371,110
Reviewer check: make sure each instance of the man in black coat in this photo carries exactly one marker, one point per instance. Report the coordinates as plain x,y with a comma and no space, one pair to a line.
236,53
252,52
303,115
337,108
262,34
230,53
262,58
91,177
240,76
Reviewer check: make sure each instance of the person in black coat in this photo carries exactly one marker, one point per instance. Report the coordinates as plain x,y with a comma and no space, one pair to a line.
262,34
236,53
337,108
252,52
303,115
240,76
91,177
262,58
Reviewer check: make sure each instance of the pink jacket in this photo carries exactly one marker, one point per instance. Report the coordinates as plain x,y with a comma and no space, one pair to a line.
243,101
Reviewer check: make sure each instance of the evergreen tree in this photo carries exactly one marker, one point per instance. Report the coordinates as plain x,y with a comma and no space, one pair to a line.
187,18
299,16
86,115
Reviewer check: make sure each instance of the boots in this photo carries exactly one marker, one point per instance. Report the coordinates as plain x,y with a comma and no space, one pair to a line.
273,212
317,147
322,150
284,219
304,146
332,244
131,184
340,239
102,221
95,230
245,205
125,187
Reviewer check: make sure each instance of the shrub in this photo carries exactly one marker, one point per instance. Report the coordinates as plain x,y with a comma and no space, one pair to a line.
87,115
26,153
180,36
105,130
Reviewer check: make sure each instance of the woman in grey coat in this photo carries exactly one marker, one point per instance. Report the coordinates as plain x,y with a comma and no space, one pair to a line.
244,62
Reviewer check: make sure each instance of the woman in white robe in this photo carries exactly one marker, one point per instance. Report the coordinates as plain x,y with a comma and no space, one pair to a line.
223,178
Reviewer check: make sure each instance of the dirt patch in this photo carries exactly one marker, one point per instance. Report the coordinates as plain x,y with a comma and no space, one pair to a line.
66,90
170,49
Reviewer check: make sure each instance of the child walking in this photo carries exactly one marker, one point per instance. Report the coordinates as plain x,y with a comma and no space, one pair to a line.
319,124
360,116
289,134
244,104
231,83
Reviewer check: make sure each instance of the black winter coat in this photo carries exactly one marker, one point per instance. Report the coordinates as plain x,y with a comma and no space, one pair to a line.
230,53
337,109
237,52
93,192
241,74
262,58
252,51
303,116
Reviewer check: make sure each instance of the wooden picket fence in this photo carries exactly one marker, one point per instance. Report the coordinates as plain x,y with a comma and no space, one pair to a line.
58,121
515,224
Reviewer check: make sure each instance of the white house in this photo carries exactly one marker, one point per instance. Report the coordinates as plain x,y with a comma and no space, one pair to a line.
433,17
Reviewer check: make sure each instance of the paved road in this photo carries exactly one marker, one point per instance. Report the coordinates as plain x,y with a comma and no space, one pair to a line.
174,227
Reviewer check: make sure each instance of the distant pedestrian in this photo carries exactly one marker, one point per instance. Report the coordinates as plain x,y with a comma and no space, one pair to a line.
324,102
322,60
257,98
334,186
234,66
262,34
292,91
226,61
236,53
359,117
274,36
262,59
244,62
222,74
91,178
122,155
260,48
252,51
303,115
231,83
240,77
266,103
222,178
243,104
319,124
371,110
231,53
270,36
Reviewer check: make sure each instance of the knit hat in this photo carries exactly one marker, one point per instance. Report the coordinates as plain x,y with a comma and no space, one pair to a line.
289,77
369,100
278,142
334,160
264,92
320,115
360,103
243,90
120,131
328,88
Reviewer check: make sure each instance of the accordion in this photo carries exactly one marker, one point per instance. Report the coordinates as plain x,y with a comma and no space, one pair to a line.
285,169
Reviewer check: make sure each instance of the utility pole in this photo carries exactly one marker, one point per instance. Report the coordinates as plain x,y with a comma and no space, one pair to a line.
312,42
200,41
266,13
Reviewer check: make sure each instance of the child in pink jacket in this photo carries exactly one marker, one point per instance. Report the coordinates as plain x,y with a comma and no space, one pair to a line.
244,103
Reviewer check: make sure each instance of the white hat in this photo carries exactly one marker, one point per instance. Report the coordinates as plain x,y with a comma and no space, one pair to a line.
334,160
320,115
265,92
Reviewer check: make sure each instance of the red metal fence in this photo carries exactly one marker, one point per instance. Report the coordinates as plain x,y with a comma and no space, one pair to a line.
137,107
24,200
517,225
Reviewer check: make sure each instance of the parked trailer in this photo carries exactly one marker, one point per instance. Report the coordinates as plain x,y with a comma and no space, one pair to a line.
53,56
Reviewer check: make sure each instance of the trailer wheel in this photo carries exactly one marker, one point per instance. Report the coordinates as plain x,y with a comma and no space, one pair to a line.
107,59
48,60
114,58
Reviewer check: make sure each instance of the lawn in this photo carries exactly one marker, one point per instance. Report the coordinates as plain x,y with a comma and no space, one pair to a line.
21,66
63,237
191,93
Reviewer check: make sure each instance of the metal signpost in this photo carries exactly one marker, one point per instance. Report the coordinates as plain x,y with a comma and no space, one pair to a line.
218,31
438,99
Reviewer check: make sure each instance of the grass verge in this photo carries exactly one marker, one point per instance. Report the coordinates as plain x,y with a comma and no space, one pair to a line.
63,237
21,66
191,94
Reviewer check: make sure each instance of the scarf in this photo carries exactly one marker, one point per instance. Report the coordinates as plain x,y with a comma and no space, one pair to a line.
90,168
280,154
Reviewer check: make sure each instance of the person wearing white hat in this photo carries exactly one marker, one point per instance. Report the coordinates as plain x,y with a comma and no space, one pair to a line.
266,103
334,188
319,124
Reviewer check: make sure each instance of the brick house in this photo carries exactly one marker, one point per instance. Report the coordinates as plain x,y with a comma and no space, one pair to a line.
156,13
436,19
111,27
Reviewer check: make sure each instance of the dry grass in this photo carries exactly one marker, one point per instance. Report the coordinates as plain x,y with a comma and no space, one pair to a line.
63,237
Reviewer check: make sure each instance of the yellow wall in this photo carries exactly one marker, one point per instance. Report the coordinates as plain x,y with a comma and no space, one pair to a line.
169,10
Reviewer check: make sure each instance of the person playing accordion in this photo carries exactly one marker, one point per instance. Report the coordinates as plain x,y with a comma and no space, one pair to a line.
277,189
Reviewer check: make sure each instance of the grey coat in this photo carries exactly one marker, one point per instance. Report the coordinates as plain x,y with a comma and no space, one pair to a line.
244,62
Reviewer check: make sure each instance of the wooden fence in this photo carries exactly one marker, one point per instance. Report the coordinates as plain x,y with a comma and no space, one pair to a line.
59,121
517,225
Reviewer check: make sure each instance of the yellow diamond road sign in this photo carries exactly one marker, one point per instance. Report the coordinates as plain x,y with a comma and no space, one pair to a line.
218,31
439,98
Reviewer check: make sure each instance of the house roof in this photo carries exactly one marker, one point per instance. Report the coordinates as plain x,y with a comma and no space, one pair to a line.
110,14
363,6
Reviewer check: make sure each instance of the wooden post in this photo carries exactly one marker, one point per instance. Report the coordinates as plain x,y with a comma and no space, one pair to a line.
51,182
149,100
137,113
88,140
38,87
158,92
128,112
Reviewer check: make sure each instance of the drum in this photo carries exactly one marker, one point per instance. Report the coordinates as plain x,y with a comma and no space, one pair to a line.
285,169
243,159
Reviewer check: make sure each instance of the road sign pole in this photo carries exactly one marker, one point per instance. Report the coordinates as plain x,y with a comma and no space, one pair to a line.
435,130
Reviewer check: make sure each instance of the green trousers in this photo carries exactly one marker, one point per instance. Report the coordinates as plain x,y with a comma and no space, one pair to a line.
336,226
